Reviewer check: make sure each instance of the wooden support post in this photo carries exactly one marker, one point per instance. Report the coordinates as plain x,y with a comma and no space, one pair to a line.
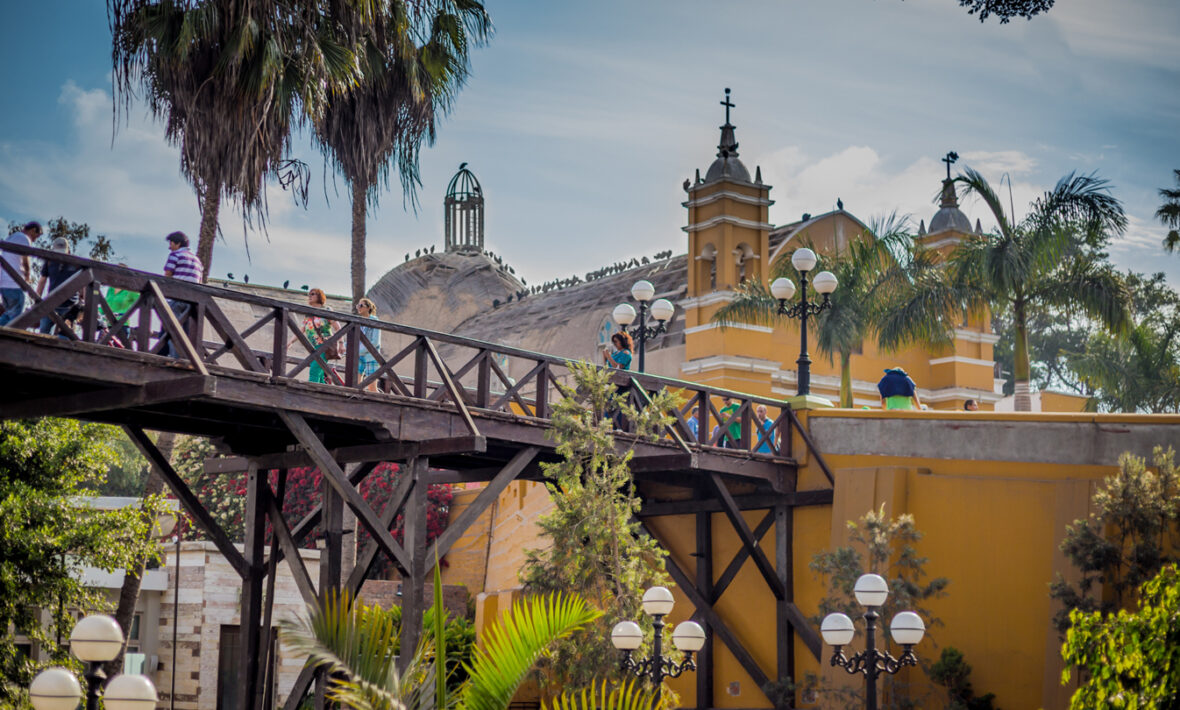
413,601
784,554
330,558
251,608
704,578
269,654
278,363
364,560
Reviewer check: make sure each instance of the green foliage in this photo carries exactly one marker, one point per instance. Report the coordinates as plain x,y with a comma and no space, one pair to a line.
884,546
593,543
82,242
1133,532
1169,214
46,465
128,474
1005,10
631,695
358,646
1130,659
952,672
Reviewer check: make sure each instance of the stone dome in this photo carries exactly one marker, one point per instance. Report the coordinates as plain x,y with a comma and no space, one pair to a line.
949,216
440,291
727,168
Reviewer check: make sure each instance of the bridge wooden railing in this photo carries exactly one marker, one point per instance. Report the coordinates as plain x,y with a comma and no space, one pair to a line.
412,363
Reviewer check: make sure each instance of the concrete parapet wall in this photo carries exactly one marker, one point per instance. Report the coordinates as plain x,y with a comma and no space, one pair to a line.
1067,439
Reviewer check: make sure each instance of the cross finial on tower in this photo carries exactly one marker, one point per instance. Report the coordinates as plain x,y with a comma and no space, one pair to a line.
727,104
950,158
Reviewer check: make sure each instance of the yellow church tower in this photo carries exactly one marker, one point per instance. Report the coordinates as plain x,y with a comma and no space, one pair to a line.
728,242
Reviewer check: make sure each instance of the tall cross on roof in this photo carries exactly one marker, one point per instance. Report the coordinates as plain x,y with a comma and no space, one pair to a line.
950,158
728,105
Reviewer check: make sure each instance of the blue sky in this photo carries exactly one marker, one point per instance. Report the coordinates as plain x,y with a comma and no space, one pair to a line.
583,119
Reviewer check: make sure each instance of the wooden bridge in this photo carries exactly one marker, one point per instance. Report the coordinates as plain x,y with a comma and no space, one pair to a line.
448,409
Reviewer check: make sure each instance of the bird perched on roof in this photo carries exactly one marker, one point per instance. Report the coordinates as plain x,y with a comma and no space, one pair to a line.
245,278
286,283
407,256
839,204
417,253
431,248
687,184
230,277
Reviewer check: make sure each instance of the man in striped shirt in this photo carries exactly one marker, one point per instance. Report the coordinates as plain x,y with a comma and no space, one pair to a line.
184,265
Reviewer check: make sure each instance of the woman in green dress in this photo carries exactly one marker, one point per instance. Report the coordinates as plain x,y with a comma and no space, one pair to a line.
318,329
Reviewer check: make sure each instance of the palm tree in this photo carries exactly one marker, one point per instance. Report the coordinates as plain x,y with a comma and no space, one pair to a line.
356,645
1136,373
866,271
228,80
1169,214
413,67
1040,261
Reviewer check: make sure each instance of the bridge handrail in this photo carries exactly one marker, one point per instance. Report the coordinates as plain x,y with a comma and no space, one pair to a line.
423,348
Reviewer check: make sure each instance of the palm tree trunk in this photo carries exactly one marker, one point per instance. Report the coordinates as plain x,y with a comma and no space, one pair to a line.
359,190
210,207
1020,366
133,577
846,380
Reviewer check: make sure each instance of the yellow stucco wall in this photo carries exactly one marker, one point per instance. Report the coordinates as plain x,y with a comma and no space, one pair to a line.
992,526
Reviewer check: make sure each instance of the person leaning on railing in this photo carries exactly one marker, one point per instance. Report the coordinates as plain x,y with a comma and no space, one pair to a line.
184,265
366,363
318,330
53,275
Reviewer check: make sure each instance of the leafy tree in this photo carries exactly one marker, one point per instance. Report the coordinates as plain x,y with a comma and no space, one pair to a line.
1134,530
1138,372
889,549
952,672
1129,659
1005,10
46,465
228,80
1169,214
593,546
413,66
867,271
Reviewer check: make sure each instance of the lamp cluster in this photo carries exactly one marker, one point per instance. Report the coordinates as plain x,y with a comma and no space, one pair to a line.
661,310
783,290
94,640
688,637
907,628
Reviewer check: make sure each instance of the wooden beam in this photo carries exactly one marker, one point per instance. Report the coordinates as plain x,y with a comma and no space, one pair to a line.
299,690
819,459
251,604
391,451
783,557
704,583
715,623
290,551
336,478
456,528
47,307
123,397
746,535
413,600
364,560
748,502
189,500
739,559
164,309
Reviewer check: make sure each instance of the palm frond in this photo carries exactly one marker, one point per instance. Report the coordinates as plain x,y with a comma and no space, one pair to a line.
1095,288
752,303
976,184
516,642
631,695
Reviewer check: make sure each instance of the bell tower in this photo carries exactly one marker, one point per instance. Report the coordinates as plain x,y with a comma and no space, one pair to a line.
728,243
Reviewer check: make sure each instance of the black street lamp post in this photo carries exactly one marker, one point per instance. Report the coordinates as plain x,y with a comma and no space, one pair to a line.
688,637
907,629
661,310
783,289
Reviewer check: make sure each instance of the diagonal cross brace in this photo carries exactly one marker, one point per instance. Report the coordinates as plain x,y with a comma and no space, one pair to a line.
338,480
189,500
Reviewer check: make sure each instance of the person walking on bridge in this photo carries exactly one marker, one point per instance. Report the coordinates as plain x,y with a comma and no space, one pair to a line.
184,265
12,296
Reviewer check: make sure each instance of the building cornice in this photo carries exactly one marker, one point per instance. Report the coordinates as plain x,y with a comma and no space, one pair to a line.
726,219
728,362
709,299
719,326
975,336
735,196
964,360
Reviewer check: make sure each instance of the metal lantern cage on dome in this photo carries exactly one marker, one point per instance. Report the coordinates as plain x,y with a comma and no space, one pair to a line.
464,213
